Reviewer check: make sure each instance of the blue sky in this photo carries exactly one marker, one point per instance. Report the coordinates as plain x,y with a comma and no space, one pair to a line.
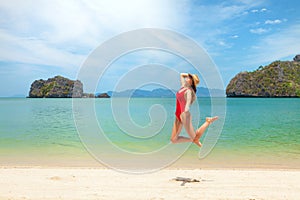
41,39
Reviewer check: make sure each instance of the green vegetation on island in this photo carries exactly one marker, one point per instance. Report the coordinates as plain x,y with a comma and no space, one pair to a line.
278,79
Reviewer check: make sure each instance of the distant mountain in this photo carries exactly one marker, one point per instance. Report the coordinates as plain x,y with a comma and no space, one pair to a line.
143,93
164,93
205,92
278,79
18,96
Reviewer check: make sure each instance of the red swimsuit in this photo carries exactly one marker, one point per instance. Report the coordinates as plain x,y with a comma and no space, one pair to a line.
180,103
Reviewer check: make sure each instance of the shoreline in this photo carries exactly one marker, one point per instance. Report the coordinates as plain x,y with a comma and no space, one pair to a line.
187,161
155,171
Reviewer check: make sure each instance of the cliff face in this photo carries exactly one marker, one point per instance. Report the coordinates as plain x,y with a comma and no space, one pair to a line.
279,79
297,58
57,87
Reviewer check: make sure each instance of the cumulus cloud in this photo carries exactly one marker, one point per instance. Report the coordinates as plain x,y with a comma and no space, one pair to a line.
263,10
276,21
258,11
259,30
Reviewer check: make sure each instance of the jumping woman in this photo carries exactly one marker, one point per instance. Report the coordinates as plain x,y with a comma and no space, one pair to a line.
184,99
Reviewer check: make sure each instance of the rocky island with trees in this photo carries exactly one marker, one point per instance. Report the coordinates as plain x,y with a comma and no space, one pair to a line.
60,87
278,79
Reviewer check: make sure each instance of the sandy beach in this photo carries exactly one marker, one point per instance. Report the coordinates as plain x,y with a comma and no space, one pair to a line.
98,183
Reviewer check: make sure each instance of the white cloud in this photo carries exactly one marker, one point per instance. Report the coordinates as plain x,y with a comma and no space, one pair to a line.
259,30
276,21
263,10
278,45
258,11
35,51
224,44
210,23
61,33
214,15
69,30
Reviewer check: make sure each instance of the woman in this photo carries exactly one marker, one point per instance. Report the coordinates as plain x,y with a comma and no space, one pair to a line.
184,98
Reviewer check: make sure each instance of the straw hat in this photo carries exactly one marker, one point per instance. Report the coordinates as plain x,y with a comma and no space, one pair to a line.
196,79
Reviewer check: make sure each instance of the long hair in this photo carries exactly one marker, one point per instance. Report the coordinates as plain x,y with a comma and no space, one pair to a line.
193,83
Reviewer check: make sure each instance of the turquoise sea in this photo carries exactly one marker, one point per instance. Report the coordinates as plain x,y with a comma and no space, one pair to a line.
258,132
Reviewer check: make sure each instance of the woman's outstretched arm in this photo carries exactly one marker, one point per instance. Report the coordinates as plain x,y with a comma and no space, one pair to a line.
182,77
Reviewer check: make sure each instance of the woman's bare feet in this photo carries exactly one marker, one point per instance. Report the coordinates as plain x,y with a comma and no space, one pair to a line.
197,141
210,120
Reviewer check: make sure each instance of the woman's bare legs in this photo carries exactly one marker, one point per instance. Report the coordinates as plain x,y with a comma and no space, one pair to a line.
175,138
186,119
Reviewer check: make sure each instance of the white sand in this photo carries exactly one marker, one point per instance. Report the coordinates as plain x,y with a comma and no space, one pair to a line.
84,183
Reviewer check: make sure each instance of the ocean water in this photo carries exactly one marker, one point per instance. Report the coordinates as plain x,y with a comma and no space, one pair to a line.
258,132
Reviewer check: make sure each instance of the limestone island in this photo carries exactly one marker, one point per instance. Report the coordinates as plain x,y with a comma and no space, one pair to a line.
60,87
278,79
